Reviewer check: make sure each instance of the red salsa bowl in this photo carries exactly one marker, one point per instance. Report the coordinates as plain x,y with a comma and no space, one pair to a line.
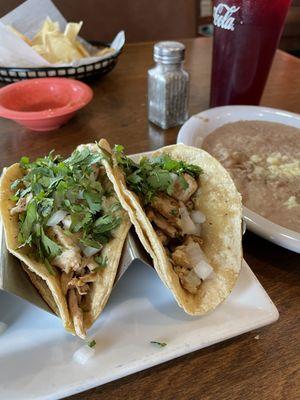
43,104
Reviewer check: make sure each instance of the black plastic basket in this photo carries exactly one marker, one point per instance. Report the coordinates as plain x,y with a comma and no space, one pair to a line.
99,68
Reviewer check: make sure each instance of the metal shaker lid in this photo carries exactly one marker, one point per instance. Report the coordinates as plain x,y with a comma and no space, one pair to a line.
169,52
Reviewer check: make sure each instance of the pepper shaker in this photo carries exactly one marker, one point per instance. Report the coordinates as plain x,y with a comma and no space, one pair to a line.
168,86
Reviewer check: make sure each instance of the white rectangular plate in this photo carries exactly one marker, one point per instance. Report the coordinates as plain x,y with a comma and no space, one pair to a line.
194,131
36,354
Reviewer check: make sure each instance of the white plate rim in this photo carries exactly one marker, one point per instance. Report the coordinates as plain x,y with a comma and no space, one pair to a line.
270,316
189,135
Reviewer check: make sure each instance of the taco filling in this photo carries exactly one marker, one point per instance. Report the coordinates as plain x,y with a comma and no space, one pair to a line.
67,213
167,190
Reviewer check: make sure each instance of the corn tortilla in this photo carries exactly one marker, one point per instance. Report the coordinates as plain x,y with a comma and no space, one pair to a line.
218,198
48,285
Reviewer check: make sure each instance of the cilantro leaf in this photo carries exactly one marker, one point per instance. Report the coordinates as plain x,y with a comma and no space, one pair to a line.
24,161
93,200
153,175
30,218
71,185
102,261
49,246
49,267
92,343
105,224
158,344
78,156
88,241
15,184
183,182
80,220
159,179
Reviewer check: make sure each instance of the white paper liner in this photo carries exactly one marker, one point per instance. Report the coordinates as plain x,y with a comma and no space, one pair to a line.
28,19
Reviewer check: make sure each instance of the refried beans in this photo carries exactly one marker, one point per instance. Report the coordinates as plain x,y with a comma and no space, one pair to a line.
263,159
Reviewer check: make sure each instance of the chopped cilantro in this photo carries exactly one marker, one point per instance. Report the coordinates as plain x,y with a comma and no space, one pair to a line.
158,344
106,223
49,267
24,161
30,218
115,207
51,184
94,201
14,198
49,247
153,175
102,261
88,241
92,343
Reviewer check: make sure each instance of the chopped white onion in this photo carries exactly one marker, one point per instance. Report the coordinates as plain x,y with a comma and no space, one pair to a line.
197,216
67,222
3,327
174,177
187,225
83,354
195,253
89,251
199,261
203,270
192,279
198,229
80,195
57,217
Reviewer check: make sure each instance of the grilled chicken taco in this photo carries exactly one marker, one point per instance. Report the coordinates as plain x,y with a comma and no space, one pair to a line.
64,222
187,214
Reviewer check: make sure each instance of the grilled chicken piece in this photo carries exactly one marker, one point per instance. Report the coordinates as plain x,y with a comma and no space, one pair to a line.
64,280
166,206
162,224
81,280
180,255
89,277
181,258
182,194
193,238
162,237
95,172
67,222
188,279
19,207
81,283
82,290
90,263
70,258
85,303
21,204
76,313
190,205
56,232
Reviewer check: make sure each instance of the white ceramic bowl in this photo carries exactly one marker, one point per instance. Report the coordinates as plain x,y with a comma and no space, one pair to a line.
200,125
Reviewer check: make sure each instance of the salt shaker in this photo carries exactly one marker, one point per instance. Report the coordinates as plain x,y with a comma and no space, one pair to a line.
168,86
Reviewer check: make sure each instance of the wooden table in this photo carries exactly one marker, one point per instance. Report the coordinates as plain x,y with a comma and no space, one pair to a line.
240,368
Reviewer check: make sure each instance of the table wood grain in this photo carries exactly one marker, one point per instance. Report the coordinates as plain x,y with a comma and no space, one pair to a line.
240,368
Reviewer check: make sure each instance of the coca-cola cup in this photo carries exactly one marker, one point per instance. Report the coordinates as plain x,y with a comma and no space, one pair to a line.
246,35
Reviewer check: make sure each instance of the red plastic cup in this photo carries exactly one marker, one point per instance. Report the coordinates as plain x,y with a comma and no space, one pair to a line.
246,35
